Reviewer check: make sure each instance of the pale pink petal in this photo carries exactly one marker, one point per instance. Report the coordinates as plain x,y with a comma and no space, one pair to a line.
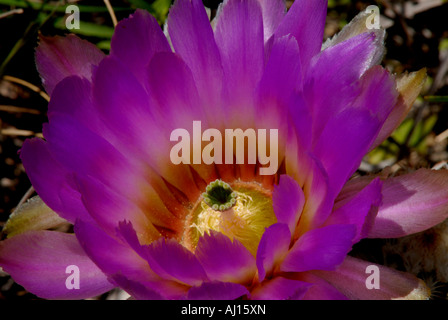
225,260
61,57
42,262
412,203
352,280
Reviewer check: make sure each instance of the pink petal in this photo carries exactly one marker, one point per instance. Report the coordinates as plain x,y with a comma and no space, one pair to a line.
108,208
273,13
340,150
136,289
54,183
360,211
337,69
172,261
276,92
288,201
350,279
316,189
320,289
60,57
274,245
73,96
320,249
305,21
323,291
136,40
115,89
280,288
217,291
38,261
412,203
225,260
112,255
192,38
409,87
239,36
365,116
173,87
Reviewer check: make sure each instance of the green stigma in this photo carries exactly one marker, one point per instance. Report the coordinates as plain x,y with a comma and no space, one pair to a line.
219,196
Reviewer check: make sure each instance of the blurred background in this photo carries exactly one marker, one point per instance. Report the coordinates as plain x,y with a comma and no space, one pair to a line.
417,37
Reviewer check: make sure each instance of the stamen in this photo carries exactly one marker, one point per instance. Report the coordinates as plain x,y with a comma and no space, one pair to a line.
249,214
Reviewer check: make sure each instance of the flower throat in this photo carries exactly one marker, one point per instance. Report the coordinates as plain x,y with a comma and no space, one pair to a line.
239,210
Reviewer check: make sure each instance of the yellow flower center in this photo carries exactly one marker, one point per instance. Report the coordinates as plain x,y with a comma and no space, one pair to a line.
244,217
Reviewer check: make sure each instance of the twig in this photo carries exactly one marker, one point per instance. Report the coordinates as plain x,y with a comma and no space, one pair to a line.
442,136
28,85
10,13
14,109
111,12
19,132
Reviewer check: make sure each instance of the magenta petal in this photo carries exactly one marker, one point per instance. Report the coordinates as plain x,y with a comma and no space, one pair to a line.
108,207
276,91
319,196
351,278
239,36
73,96
217,291
336,69
280,288
136,40
378,93
172,86
320,249
305,21
273,13
412,203
128,111
82,151
136,289
172,261
38,261
277,88
192,38
352,188
302,121
360,211
123,104
60,57
157,288
126,231
321,289
340,150
110,254
274,245
288,201
283,72
54,184
225,260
